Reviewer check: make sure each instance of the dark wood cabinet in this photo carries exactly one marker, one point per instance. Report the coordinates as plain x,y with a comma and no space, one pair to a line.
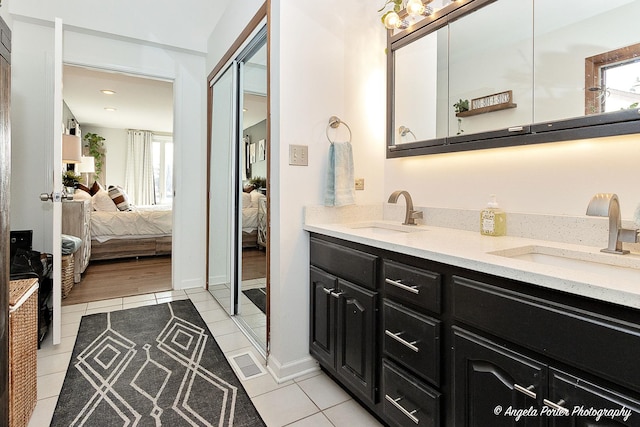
448,346
490,381
343,324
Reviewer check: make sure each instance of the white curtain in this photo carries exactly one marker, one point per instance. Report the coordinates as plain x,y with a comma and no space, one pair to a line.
138,182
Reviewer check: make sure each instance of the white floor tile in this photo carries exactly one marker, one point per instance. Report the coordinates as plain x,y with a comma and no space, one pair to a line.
350,414
73,308
48,349
210,304
70,330
167,294
201,296
323,391
104,309
194,290
316,420
214,315
104,303
231,342
139,304
138,298
262,384
72,317
284,406
54,363
309,375
44,412
50,385
223,327
172,298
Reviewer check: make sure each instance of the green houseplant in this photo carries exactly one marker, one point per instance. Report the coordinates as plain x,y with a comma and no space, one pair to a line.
258,182
95,146
70,179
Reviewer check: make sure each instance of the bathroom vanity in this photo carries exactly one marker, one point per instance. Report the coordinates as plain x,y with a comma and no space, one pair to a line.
438,327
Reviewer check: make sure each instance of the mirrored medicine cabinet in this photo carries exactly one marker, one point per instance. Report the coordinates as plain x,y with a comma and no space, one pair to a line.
491,73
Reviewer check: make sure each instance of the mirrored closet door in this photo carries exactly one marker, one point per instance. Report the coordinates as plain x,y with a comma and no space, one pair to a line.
238,207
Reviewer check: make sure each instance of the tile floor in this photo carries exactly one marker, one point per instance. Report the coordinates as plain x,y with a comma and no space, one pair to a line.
311,400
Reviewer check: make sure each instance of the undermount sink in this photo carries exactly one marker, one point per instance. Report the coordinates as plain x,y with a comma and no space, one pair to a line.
384,228
621,267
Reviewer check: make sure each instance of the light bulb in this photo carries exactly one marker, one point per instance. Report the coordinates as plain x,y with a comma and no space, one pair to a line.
391,20
415,7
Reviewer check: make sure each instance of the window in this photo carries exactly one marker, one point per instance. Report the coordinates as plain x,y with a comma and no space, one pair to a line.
162,146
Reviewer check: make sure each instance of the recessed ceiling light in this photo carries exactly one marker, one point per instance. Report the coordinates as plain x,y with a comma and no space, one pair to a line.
108,91
110,108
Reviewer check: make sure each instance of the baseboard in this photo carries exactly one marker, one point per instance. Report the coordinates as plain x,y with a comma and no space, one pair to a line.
191,283
291,370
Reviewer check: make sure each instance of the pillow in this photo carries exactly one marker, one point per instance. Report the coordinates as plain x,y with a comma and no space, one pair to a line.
119,197
81,195
83,188
255,198
95,188
102,202
246,200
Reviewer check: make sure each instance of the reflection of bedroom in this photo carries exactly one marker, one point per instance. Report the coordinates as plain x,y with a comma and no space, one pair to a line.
129,202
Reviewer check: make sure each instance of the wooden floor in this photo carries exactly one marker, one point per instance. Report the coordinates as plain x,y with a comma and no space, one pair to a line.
121,278
254,263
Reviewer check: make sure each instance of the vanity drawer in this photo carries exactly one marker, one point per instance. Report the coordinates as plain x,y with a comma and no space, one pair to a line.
413,340
407,401
412,285
584,339
350,264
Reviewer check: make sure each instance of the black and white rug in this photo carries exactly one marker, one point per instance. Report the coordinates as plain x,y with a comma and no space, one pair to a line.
258,297
151,366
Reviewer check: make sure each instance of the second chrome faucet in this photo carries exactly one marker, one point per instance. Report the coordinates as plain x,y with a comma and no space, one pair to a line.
410,214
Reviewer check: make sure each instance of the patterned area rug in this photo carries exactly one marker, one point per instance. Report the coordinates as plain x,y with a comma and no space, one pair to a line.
258,296
151,366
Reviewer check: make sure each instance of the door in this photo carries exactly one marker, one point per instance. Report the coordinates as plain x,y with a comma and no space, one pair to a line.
492,383
222,241
356,337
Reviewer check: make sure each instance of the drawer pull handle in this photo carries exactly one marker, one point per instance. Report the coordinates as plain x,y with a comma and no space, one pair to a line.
526,391
326,290
396,336
395,403
412,289
557,406
336,294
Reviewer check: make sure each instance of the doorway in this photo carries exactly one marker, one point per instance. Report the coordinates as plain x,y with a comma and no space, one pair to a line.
126,111
238,188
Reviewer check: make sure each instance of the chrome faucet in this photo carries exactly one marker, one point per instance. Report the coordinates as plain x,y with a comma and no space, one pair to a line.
410,215
608,205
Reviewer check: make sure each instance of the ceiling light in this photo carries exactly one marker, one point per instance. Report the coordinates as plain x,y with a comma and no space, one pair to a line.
110,109
108,91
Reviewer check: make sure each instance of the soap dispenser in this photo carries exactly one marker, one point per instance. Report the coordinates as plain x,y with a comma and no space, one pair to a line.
493,220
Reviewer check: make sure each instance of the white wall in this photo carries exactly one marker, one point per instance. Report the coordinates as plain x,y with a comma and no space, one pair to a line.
31,115
115,143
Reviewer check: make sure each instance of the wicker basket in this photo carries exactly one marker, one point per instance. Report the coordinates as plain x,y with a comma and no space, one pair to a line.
23,346
67,274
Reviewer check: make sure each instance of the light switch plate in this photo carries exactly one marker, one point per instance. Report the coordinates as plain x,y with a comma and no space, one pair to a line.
359,183
298,155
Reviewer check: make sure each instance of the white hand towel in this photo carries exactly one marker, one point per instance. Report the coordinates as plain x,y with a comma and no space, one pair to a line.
340,176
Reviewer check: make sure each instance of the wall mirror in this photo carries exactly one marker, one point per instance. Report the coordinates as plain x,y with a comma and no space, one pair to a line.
482,74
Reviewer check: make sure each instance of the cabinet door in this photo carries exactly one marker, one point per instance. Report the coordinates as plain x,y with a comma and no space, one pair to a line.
323,318
492,383
586,403
357,338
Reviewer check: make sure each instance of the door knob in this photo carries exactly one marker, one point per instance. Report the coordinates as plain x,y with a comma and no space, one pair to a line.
46,197
55,197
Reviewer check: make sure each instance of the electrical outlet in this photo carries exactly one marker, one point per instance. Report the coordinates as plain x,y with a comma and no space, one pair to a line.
359,183
298,155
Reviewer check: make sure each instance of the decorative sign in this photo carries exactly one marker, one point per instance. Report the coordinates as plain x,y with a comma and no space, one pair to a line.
487,104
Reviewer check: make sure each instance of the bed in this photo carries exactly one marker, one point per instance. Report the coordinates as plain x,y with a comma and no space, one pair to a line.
142,231
253,218
121,230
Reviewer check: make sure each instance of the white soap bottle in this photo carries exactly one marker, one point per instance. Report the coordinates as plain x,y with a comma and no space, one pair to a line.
493,220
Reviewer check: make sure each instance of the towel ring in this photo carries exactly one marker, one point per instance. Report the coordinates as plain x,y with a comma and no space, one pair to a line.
335,122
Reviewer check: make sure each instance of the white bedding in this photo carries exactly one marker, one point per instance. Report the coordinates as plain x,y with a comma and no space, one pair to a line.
249,219
142,221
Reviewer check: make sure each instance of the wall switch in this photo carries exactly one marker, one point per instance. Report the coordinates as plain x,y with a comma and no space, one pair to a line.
359,183
298,155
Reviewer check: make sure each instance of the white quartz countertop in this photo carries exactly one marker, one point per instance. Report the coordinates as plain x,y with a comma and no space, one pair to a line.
472,251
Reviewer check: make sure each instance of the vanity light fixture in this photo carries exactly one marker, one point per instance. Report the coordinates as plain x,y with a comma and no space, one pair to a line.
414,9
404,131
108,91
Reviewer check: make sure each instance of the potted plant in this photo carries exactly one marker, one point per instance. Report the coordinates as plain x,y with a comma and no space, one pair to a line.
258,182
70,180
95,145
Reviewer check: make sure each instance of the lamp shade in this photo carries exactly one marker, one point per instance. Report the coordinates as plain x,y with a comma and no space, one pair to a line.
87,165
71,149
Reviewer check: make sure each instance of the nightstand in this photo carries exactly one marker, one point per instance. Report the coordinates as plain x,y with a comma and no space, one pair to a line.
76,221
